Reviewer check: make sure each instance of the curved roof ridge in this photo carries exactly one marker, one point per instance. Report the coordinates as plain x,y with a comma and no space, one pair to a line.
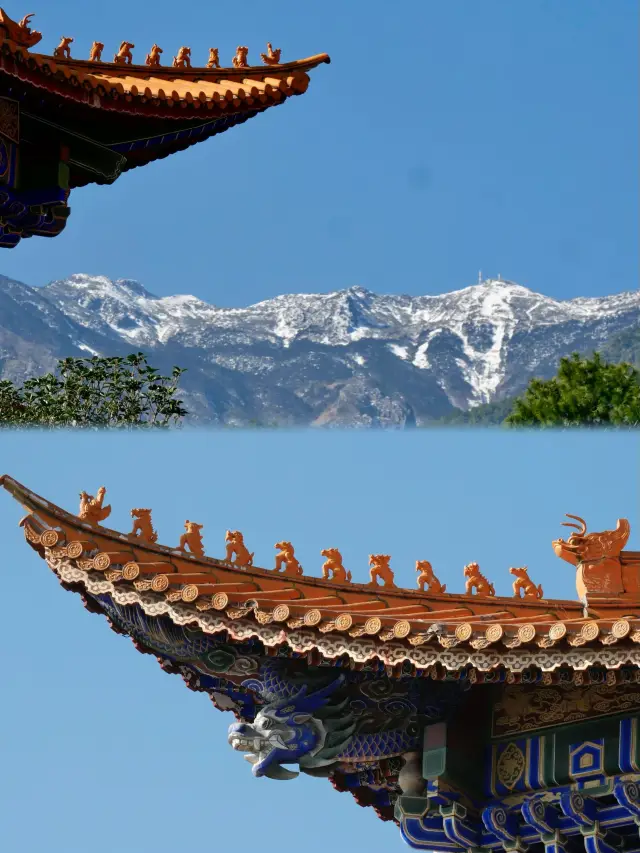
228,72
380,615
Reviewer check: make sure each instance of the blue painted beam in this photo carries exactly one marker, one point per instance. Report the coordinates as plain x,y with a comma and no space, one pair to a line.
515,827
595,842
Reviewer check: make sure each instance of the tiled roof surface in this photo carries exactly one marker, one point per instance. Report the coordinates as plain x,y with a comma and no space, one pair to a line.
377,614
126,86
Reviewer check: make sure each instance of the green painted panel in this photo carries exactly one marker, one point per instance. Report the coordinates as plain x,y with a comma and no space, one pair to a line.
434,763
549,759
63,176
434,758
568,740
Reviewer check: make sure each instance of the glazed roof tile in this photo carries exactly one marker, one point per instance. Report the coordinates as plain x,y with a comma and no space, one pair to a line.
101,119
381,615
115,86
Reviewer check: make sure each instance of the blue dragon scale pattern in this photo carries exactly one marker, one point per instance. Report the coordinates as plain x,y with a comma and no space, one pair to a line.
317,734
315,719
362,728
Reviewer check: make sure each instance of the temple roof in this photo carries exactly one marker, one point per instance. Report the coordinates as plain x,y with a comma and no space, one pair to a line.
115,115
125,84
129,87
390,677
70,122
365,621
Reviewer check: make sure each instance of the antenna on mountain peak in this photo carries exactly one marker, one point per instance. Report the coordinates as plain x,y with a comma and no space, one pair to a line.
479,276
499,277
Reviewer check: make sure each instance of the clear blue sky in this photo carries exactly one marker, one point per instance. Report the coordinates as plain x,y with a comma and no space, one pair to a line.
103,752
446,136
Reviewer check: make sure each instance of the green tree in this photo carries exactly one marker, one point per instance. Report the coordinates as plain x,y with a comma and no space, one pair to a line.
94,392
586,391
487,414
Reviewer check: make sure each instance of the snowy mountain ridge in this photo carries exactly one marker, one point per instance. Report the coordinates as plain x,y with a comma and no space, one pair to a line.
484,317
348,356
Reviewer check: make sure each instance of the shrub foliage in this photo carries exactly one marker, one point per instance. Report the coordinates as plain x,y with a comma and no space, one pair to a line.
585,392
95,392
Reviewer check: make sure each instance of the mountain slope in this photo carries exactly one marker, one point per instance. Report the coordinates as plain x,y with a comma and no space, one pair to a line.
625,346
349,357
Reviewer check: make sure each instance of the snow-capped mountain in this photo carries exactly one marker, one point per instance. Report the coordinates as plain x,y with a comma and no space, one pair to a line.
349,357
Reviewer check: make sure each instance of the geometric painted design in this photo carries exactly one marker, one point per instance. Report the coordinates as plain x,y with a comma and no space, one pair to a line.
565,821
517,765
629,744
586,760
510,766
583,759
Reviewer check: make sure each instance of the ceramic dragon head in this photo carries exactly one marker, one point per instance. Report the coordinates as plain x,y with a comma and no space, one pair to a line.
584,547
303,729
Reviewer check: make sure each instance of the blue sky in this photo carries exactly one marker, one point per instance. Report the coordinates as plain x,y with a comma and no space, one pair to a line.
447,136
102,751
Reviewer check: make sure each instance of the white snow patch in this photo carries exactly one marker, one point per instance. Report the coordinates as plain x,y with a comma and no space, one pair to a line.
360,333
484,370
85,348
401,352
286,330
421,358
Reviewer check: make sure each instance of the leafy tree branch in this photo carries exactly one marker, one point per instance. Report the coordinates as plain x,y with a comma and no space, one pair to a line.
95,392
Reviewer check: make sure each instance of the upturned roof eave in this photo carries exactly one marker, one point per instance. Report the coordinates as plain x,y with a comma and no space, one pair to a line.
123,88
459,630
34,502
